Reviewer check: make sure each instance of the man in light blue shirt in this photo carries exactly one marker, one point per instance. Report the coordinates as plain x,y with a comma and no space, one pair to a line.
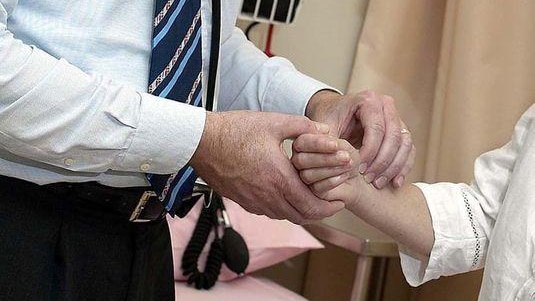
79,134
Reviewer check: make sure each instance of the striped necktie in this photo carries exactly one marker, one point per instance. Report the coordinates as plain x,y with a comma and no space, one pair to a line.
176,73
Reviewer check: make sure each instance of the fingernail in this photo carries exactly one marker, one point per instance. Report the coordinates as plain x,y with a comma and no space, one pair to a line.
381,182
400,181
369,178
343,156
363,167
322,128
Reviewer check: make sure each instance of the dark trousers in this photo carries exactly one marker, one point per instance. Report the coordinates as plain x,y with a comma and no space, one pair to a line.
54,246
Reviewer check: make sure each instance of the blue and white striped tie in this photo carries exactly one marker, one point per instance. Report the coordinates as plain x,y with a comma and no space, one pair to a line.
176,73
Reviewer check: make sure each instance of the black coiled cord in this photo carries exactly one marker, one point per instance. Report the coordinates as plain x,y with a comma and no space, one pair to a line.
207,221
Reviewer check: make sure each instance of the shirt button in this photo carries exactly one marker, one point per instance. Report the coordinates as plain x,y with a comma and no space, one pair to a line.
144,167
69,161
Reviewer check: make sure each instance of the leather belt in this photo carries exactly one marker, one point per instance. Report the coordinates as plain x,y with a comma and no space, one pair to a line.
135,204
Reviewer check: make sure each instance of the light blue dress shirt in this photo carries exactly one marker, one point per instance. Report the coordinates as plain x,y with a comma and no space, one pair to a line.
73,81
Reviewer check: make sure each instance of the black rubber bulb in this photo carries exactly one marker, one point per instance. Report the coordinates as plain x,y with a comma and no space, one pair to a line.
236,252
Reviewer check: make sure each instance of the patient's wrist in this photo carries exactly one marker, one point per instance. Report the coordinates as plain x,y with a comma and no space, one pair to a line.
365,194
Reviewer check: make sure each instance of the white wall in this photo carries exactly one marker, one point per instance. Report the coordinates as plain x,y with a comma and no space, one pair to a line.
322,41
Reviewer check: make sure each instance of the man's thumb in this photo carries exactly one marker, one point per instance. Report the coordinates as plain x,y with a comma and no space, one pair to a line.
296,126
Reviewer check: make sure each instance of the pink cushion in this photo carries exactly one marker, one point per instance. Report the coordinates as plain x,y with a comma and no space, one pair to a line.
269,241
244,289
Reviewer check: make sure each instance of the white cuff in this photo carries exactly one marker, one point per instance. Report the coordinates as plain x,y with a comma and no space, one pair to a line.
166,138
454,248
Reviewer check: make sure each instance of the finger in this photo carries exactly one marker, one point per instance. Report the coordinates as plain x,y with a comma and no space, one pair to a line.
290,213
312,175
313,160
323,210
315,208
397,164
372,121
291,126
337,205
311,143
399,180
390,144
275,210
330,183
251,208
300,197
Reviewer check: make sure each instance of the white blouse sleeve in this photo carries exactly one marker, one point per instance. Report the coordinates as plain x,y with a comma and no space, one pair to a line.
463,216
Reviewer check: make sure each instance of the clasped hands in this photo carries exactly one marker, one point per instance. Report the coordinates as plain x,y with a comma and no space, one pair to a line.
240,154
329,166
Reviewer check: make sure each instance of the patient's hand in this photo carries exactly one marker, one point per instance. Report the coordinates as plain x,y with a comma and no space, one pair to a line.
330,167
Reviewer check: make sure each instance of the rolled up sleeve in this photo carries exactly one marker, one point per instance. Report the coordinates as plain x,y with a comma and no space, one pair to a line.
461,234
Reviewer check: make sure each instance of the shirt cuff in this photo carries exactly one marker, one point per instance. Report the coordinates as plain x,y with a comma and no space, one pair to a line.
166,138
453,250
290,90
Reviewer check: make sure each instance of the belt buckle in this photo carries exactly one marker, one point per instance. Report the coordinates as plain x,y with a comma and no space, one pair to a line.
134,217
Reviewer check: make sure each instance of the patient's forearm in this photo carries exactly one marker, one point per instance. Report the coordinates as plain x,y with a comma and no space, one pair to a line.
400,213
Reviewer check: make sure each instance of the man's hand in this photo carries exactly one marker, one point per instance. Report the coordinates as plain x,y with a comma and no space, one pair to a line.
370,122
240,155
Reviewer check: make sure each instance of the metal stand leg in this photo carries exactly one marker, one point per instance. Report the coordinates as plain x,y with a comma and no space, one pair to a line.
362,278
380,269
